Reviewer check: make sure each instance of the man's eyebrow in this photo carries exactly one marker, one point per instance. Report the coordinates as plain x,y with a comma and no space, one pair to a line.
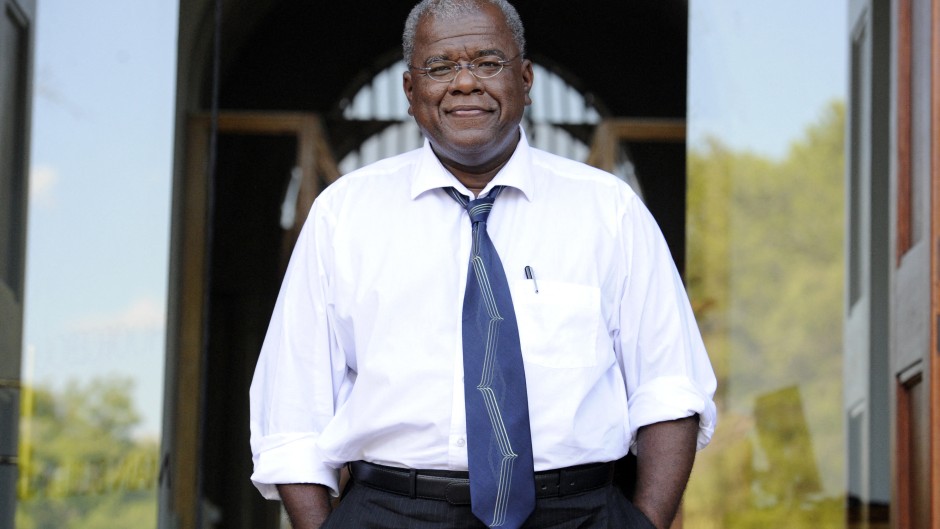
481,53
436,58
498,53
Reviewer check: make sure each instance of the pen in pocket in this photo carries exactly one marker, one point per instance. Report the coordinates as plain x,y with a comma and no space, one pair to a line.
530,275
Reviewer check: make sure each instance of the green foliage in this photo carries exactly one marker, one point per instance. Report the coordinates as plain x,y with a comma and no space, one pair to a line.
765,273
81,467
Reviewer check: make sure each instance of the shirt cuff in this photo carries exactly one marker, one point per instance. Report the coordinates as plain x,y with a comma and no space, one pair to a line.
290,458
668,399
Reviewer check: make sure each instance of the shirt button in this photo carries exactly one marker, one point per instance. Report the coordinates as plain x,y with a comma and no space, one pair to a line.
461,441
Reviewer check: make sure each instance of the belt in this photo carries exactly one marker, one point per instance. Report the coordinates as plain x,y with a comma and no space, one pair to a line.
454,487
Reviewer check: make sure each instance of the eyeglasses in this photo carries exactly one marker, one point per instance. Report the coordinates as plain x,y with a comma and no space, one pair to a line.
481,68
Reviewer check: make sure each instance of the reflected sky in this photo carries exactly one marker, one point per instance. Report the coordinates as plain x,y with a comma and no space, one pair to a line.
760,70
104,80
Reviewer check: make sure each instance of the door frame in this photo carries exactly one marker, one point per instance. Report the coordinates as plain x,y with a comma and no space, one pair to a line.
19,16
181,500
916,344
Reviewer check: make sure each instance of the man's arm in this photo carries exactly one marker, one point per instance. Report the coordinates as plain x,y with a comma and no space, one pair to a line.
665,453
307,504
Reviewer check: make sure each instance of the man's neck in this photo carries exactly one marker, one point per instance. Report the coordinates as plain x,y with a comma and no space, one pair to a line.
475,179
475,190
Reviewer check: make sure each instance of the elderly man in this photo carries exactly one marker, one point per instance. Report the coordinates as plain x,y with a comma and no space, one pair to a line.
478,328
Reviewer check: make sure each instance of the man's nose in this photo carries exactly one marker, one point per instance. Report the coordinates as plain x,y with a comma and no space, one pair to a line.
465,81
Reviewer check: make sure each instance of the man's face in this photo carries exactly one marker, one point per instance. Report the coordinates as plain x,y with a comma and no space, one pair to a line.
470,122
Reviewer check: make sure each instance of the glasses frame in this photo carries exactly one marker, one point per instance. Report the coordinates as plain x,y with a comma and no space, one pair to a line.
469,66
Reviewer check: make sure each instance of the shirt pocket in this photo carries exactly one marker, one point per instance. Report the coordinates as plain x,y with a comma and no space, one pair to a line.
558,324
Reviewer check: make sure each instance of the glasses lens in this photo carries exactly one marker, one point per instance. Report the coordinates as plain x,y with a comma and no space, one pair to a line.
481,67
442,70
485,67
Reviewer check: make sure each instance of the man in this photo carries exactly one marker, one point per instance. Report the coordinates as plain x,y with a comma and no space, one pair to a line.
380,322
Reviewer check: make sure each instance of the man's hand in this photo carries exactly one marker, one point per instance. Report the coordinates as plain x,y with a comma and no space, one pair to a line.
665,453
307,505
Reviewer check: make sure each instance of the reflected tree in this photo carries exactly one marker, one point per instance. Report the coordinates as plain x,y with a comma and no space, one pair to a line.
765,274
81,466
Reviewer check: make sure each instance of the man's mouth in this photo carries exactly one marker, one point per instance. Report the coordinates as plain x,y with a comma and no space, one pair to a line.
467,111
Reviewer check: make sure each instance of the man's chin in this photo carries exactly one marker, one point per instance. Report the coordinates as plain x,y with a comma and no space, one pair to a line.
476,140
470,151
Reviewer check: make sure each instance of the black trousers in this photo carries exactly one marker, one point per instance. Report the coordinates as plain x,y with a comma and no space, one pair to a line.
364,507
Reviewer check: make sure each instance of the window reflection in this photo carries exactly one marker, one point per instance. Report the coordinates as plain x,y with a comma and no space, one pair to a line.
98,231
765,261
765,274
80,462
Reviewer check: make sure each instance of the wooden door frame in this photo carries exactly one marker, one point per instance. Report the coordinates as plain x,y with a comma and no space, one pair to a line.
904,459
610,132
906,425
186,343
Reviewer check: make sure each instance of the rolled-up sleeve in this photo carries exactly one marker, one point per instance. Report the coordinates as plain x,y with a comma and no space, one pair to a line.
301,368
664,362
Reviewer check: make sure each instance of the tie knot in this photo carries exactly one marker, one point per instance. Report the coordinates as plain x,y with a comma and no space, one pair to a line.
479,209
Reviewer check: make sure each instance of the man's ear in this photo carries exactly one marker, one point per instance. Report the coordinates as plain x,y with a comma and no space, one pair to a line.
408,85
528,77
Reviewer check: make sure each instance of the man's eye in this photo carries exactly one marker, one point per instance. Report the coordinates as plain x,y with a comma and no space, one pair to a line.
488,64
439,69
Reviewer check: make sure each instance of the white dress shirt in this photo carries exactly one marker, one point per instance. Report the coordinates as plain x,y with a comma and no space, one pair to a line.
362,358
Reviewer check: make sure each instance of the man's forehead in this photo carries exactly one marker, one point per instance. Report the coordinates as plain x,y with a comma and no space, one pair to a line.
479,33
469,51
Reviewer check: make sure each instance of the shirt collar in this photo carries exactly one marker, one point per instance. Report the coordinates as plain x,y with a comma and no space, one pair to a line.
431,174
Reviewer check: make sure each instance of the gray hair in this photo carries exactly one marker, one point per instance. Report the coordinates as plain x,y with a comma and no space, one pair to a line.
453,10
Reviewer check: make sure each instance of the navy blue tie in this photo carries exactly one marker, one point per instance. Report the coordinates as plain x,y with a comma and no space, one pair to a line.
499,443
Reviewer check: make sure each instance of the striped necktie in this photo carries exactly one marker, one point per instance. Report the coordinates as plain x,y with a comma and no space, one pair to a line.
499,444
